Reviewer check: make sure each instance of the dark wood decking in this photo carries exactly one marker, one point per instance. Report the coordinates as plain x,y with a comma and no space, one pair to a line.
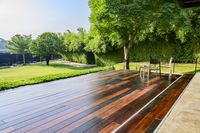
151,116
92,103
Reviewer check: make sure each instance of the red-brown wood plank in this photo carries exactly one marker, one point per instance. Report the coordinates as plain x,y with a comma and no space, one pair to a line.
145,121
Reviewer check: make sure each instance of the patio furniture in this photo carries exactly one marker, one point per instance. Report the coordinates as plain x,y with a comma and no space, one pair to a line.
170,66
143,69
154,65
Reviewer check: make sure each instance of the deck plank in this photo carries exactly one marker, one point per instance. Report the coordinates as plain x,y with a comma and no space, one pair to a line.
150,117
98,102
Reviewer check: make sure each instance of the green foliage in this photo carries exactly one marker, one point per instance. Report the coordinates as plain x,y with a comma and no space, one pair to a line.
141,52
49,73
46,45
129,21
109,58
76,57
76,47
133,22
117,20
19,44
75,42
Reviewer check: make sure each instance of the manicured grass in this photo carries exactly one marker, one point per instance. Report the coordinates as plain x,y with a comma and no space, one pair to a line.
3,67
32,74
38,73
179,68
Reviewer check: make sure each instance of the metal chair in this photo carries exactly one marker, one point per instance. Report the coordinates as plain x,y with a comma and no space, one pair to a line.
143,69
170,66
154,65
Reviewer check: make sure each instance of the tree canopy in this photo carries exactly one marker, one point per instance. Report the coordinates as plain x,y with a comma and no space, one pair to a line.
75,42
127,22
47,45
19,44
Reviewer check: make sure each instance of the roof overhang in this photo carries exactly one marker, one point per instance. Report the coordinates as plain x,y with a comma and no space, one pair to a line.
189,3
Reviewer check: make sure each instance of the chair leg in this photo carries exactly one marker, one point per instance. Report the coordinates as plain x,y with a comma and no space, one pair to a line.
148,73
142,74
170,72
160,72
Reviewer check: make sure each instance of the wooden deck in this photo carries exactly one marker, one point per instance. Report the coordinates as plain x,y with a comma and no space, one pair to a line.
99,102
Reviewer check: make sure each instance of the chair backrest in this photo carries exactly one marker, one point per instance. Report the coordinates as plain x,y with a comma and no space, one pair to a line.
154,61
170,61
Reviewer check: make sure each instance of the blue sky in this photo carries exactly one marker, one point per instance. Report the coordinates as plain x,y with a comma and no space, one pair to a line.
38,16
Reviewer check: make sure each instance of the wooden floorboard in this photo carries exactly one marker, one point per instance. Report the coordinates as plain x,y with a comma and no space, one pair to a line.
98,102
149,118
116,86
125,112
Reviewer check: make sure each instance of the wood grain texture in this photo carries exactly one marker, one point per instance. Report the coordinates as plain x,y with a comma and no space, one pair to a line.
98,102
149,118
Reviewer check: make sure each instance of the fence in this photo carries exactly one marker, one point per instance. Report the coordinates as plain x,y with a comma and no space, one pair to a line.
7,59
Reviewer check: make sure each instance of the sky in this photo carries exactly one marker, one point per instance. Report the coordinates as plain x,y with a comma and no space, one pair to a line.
38,16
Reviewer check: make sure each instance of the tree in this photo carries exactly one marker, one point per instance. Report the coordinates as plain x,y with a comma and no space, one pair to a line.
46,45
75,42
117,20
19,44
126,22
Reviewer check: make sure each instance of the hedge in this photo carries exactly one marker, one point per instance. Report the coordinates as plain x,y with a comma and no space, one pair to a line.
141,52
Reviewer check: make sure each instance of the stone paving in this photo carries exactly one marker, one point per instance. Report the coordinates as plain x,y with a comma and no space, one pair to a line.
74,64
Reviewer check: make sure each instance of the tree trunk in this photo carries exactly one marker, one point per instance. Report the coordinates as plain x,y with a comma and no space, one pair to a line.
40,58
48,57
90,57
47,62
126,56
24,60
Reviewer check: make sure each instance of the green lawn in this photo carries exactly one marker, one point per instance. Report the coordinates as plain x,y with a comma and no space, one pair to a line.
179,68
31,74
38,73
31,71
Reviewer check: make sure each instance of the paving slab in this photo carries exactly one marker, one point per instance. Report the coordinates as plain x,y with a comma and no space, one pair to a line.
75,64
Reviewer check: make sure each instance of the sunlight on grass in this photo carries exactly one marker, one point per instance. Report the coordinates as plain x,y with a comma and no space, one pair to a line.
31,74
38,73
179,68
25,72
